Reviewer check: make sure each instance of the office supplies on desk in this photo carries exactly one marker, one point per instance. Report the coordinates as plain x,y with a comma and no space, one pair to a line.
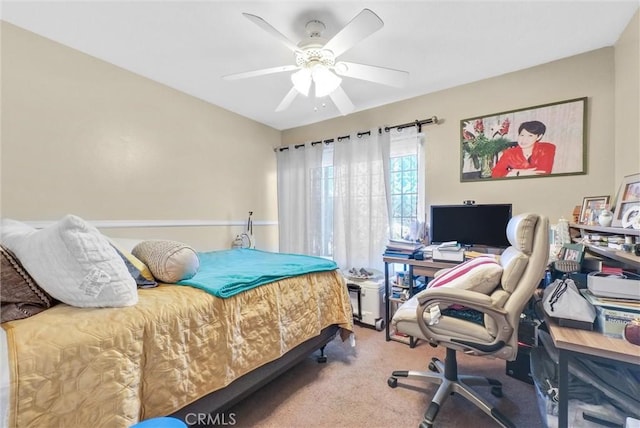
448,252
625,285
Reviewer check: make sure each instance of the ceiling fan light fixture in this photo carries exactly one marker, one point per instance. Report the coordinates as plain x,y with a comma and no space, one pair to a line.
302,81
315,61
341,68
326,82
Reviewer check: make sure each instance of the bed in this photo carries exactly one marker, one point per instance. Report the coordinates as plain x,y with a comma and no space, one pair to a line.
179,350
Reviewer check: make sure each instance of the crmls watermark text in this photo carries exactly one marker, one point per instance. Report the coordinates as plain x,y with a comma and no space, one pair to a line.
208,419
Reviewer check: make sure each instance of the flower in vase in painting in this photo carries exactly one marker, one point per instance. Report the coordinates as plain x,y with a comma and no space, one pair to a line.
481,148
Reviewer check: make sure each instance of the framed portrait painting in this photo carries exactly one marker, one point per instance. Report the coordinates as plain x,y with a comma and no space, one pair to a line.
540,141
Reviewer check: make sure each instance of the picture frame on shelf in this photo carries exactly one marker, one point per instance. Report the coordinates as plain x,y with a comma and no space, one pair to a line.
631,218
627,199
591,206
539,141
572,252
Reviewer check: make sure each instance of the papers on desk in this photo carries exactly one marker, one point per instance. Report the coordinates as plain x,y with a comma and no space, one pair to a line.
446,248
475,254
403,249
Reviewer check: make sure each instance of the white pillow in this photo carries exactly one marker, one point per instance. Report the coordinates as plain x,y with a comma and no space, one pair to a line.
481,274
73,262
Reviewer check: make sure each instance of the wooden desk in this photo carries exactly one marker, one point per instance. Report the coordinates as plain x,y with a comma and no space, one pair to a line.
572,342
425,267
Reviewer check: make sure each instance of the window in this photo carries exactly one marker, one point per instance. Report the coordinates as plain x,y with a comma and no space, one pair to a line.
344,201
404,193
322,179
404,185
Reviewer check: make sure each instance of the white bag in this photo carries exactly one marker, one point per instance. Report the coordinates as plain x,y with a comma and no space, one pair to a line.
563,300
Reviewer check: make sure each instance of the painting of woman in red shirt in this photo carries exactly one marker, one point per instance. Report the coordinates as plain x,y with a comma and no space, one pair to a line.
530,157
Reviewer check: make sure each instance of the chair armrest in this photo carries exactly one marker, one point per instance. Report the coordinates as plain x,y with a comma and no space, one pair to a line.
445,296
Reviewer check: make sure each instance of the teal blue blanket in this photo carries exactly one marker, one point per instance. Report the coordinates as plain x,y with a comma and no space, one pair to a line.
229,272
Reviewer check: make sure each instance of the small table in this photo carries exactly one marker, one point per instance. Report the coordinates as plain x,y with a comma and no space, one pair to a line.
572,342
425,267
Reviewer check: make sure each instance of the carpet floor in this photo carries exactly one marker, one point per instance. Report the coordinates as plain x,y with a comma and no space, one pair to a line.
351,390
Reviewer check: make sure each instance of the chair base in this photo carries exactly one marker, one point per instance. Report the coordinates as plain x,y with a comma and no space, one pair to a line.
446,375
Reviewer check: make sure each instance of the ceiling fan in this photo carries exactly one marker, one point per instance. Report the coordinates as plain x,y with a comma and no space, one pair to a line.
316,61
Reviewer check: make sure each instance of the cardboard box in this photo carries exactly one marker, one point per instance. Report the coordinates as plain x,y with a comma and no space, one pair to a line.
604,285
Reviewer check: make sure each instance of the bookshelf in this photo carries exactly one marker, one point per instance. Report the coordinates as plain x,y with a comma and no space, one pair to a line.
426,268
627,258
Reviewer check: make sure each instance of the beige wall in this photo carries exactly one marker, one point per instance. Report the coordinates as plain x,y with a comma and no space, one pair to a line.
627,101
85,137
590,74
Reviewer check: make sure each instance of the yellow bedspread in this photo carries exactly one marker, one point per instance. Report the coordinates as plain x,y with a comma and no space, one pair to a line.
111,367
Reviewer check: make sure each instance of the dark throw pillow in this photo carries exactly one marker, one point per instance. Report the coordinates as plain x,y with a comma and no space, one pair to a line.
20,296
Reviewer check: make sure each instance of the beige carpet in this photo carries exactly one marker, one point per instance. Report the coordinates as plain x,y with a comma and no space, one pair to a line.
351,390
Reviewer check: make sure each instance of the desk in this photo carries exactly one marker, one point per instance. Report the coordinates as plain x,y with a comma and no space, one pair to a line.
589,344
425,267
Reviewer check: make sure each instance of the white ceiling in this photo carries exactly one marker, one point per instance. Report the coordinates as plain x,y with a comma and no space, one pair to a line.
189,46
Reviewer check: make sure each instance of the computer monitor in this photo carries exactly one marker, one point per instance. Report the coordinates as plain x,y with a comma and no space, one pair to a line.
470,225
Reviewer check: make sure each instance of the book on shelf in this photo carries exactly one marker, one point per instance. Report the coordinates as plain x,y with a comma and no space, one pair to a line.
398,255
404,246
403,249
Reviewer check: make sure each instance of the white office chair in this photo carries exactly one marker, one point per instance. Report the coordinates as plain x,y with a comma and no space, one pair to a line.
524,264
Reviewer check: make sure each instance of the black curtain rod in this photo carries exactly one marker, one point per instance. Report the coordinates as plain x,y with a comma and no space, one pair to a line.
417,123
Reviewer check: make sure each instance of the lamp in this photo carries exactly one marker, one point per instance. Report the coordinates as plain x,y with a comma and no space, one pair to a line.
326,82
302,81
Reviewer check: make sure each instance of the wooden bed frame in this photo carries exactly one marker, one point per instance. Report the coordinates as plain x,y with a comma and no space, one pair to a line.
221,400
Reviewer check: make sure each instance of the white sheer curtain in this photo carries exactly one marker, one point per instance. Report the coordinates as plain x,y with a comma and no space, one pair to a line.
361,220
299,213
410,141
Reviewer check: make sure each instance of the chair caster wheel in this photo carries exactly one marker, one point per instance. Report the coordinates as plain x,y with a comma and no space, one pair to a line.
496,391
322,359
432,367
392,382
424,424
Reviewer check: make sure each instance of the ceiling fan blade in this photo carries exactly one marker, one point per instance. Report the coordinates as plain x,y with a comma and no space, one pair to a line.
342,101
271,30
363,25
287,100
260,72
386,76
